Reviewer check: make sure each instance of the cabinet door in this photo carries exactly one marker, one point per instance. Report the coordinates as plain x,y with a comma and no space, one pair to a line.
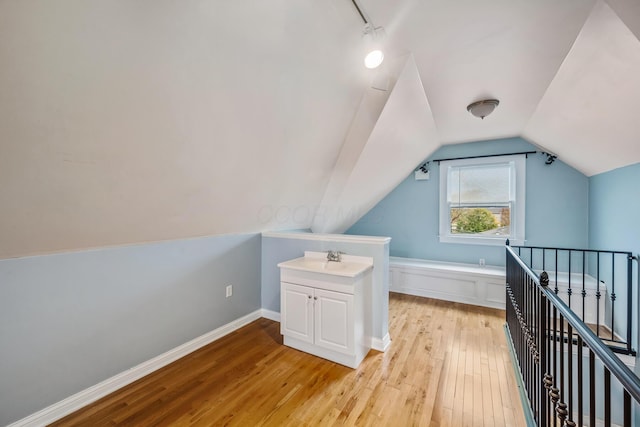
296,319
334,321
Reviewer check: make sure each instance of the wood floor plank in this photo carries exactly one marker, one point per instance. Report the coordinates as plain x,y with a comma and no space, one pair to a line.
448,365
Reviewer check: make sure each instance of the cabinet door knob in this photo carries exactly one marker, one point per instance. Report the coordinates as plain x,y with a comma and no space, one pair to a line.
309,296
315,298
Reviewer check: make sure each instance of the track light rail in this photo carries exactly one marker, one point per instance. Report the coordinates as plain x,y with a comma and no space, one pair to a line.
359,11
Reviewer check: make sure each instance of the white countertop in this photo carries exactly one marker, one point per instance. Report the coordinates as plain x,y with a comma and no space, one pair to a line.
316,262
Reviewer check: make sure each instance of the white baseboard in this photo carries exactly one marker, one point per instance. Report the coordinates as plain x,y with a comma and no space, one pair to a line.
83,398
271,315
381,344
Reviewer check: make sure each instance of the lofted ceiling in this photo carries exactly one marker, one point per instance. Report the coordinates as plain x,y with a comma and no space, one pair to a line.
125,122
566,73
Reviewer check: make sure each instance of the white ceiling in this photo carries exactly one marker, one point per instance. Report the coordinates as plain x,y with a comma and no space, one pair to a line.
471,50
124,122
566,73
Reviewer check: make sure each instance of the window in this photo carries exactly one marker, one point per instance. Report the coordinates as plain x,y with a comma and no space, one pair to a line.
482,200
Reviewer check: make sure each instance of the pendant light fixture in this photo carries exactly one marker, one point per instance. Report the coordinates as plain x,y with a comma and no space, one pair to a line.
373,37
374,59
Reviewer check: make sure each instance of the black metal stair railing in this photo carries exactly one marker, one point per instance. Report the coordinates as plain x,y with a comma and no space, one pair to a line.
595,284
570,377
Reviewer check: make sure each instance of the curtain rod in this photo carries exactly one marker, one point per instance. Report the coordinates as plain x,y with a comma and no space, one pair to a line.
526,153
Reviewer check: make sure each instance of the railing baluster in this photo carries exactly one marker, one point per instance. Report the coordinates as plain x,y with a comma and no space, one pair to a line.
569,292
556,287
584,291
569,399
629,300
543,337
525,347
554,391
534,344
613,294
531,323
580,384
550,365
531,255
561,406
592,388
627,409
607,397
598,295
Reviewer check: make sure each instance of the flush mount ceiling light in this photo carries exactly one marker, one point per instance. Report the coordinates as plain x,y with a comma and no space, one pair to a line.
374,37
483,108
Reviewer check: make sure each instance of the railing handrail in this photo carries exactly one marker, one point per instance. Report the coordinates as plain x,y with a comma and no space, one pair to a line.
630,254
626,377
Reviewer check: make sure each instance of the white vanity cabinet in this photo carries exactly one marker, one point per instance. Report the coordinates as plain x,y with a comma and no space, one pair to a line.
324,313
320,317
296,311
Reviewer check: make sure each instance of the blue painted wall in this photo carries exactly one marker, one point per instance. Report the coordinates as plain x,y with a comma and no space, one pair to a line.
614,210
69,321
557,204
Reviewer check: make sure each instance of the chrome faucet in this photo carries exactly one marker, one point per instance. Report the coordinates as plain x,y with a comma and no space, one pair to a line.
334,256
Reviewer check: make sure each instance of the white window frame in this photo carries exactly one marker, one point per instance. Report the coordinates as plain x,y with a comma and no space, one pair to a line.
518,203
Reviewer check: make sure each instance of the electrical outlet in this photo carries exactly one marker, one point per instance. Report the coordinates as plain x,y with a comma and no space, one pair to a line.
229,290
482,261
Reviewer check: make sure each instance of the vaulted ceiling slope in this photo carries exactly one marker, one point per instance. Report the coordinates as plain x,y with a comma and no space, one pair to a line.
588,114
125,122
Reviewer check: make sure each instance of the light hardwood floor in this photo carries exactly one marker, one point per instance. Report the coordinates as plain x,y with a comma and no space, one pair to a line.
448,365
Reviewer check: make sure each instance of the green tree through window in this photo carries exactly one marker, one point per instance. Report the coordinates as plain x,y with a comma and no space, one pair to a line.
475,220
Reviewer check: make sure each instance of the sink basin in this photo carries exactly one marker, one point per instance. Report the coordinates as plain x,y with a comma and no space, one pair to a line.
316,262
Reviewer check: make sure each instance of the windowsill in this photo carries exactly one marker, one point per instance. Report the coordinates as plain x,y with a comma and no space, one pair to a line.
486,241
